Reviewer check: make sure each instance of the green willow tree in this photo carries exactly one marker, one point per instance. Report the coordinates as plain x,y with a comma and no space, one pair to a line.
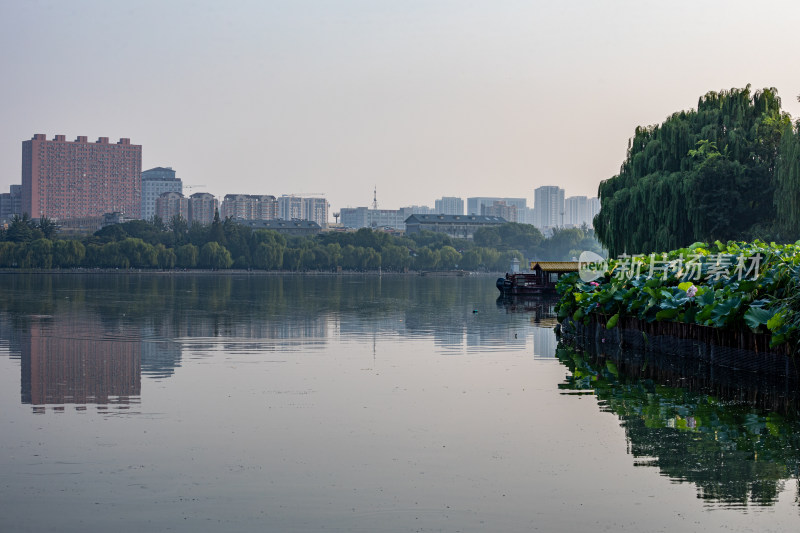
787,183
702,175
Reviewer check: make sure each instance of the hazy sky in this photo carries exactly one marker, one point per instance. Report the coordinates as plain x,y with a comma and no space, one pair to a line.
422,99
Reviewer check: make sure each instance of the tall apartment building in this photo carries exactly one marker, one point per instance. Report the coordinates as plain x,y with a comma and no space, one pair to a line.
449,205
316,210
202,206
170,204
70,179
249,207
290,207
580,210
575,210
548,205
11,203
593,208
156,182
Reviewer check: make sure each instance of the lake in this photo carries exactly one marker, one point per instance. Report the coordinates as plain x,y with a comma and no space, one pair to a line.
172,402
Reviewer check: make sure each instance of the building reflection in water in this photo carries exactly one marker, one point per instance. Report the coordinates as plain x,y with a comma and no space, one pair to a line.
89,339
71,360
541,310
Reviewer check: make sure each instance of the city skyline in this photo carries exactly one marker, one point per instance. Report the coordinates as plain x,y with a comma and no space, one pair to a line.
56,169
420,100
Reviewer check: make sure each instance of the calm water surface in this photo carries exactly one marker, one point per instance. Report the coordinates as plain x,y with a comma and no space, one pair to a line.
269,403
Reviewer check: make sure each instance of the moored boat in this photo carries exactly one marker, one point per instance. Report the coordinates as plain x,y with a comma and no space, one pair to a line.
542,278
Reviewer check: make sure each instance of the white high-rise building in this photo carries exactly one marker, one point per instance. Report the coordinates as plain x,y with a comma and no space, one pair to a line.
548,201
580,210
594,209
290,207
575,211
316,210
449,205
156,182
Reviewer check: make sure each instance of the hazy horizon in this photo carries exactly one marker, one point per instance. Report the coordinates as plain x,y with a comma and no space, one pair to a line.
419,99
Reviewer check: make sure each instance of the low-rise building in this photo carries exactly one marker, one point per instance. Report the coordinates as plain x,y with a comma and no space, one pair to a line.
286,227
456,226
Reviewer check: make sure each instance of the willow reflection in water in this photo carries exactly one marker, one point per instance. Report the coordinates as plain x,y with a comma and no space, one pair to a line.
735,453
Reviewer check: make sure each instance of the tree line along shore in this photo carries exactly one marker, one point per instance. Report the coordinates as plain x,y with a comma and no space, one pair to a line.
225,244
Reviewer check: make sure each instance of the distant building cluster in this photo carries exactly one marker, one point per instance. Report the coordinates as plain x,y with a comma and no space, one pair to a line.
79,183
552,210
83,185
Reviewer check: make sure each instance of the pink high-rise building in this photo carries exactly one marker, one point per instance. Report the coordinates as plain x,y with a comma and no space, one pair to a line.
70,179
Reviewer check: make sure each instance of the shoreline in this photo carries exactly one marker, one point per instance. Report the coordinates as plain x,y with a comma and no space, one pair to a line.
237,272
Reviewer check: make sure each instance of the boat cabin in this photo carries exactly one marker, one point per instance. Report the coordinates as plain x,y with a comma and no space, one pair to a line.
542,277
549,271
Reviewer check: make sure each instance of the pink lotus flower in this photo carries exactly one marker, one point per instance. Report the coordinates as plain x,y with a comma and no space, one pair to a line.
691,291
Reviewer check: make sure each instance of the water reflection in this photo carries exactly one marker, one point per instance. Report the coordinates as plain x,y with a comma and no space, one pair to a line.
540,307
735,453
71,360
541,311
88,338
410,399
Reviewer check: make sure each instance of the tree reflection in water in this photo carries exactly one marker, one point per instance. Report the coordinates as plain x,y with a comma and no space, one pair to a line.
737,440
